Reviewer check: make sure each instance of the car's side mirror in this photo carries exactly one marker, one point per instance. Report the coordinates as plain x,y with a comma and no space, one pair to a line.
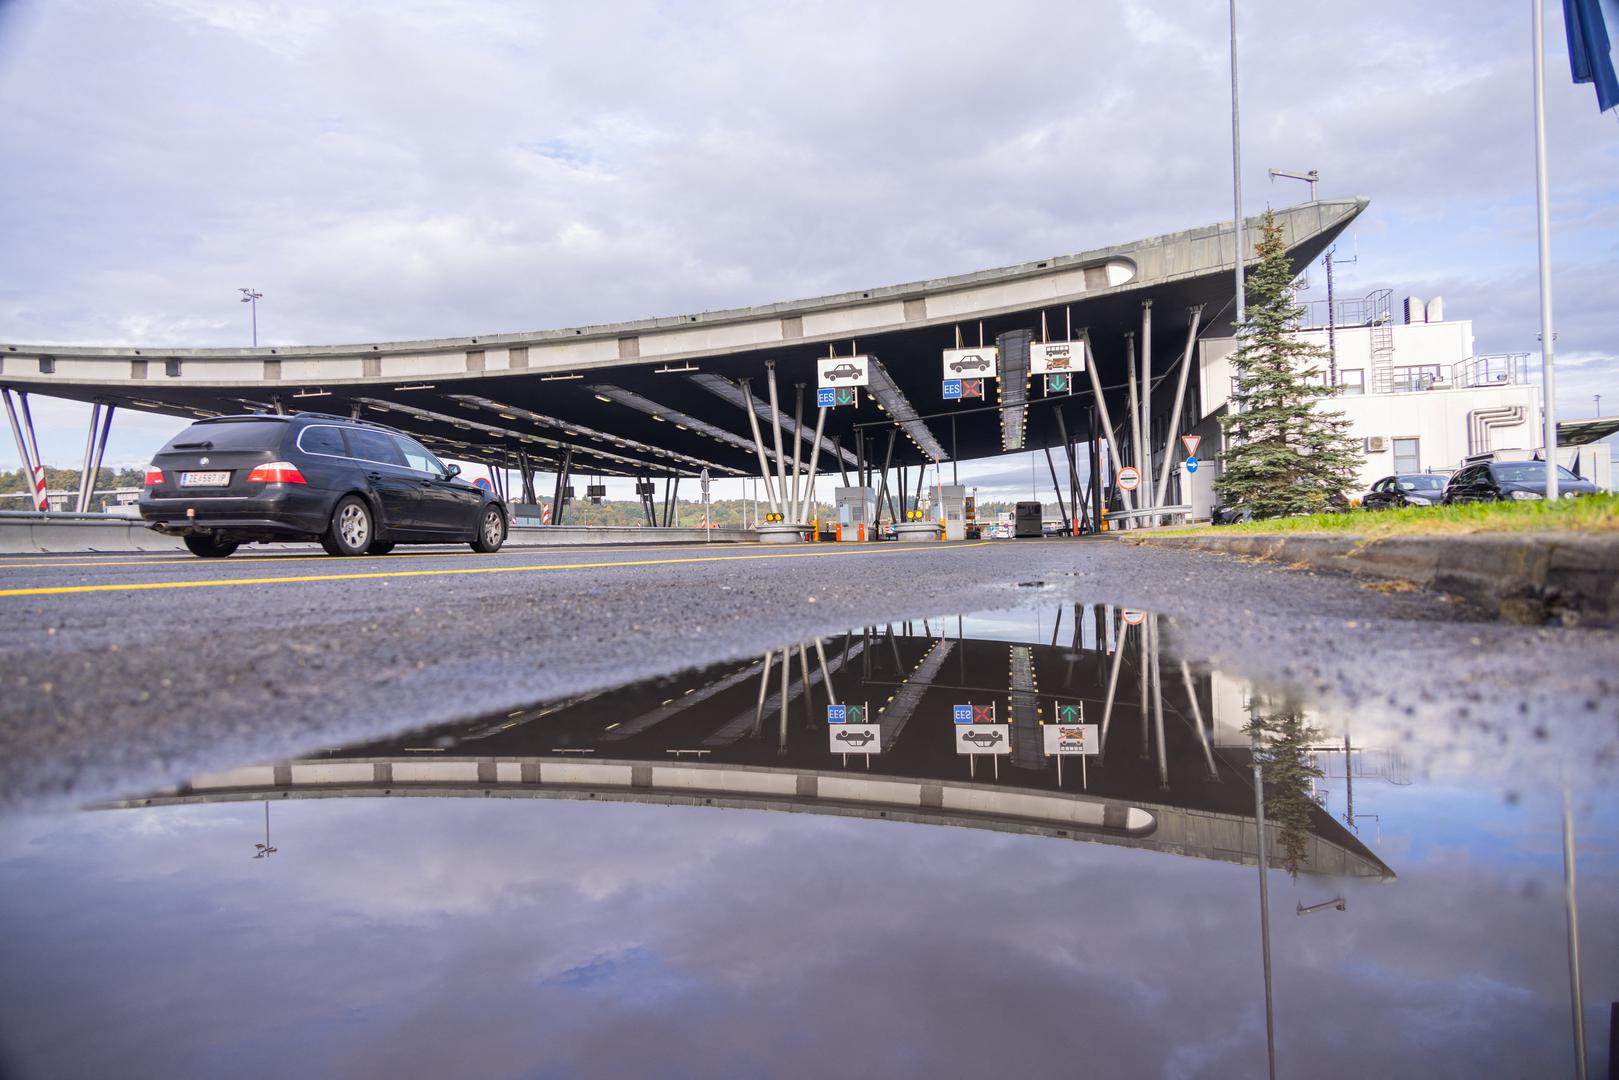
451,471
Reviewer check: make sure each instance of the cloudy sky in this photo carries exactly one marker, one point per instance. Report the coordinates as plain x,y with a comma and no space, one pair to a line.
402,169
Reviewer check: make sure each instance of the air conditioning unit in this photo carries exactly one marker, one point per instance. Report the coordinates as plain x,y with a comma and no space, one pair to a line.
1377,444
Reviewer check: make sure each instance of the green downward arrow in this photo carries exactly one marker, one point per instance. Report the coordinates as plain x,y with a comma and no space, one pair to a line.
845,397
1059,382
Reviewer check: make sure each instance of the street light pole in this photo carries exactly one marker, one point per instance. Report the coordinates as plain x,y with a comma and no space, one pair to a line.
1544,229
250,296
1236,168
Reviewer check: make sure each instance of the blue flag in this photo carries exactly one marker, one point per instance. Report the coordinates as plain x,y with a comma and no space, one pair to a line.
1590,49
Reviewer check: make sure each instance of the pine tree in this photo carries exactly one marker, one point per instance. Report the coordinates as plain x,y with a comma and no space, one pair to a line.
1281,746
1283,455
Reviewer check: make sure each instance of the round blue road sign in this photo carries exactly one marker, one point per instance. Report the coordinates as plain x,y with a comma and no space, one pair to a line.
1191,464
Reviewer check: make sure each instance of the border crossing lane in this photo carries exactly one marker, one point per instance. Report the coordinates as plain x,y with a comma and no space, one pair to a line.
828,552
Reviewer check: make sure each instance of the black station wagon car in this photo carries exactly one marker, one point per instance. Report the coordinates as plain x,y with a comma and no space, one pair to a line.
355,487
1504,481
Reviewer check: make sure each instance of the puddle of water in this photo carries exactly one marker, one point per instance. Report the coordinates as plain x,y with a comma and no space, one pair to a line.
722,871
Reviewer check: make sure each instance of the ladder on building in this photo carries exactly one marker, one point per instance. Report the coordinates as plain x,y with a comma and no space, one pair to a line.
1381,322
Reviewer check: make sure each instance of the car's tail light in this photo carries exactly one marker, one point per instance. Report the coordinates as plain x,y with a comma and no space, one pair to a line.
154,477
276,472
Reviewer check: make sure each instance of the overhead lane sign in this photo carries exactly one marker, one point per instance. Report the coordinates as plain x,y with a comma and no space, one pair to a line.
982,362
837,372
1054,356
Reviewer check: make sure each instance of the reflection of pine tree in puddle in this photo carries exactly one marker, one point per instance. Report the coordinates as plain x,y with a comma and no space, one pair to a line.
1280,746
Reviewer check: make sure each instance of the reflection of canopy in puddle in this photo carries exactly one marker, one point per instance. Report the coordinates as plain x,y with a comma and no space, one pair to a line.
703,738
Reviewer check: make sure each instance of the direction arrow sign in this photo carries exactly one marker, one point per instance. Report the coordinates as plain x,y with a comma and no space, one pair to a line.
1191,464
848,396
1192,443
1129,478
826,397
1059,383
1070,713
857,713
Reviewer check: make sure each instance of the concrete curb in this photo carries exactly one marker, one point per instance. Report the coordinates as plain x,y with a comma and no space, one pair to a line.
1519,577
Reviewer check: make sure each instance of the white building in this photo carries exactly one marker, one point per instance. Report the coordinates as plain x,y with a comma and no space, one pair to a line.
1417,395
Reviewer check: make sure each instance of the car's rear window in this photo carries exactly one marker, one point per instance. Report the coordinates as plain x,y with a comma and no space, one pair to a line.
230,435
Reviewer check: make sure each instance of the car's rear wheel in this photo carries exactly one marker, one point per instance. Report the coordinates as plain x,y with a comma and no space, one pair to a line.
351,530
491,530
210,547
380,547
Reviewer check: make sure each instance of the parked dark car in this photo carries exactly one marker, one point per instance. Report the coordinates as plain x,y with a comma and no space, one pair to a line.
844,371
973,362
355,487
1503,481
1406,489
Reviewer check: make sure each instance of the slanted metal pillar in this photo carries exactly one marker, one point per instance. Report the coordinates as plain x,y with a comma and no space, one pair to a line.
1056,488
1197,718
759,442
1158,706
27,446
1107,421
1073,472
798,445
1180,400
843,468
1135,398
882,487
1146,402
775,426
89,456
764,691
808,501
557,505
1113,677
1094,446
101,451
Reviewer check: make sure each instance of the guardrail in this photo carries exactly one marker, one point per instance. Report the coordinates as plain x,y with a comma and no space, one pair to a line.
32,532
1129,517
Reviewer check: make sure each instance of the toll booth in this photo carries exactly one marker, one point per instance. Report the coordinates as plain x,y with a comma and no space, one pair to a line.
953,511
971,508
1028,521
853,507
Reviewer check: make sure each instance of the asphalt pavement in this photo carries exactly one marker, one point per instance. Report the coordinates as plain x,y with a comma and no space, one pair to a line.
127,672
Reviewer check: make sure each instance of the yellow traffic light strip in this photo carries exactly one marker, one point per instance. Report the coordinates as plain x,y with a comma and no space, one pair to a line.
141,586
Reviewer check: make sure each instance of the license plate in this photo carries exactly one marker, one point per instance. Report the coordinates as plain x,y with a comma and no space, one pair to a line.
204,479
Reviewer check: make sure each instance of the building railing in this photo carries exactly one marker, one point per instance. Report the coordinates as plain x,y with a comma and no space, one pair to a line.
1491,369
1373,309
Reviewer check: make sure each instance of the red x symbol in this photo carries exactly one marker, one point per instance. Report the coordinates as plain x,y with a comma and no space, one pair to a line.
983,714
972,388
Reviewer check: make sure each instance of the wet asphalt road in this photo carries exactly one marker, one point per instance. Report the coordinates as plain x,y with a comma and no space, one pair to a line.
127,672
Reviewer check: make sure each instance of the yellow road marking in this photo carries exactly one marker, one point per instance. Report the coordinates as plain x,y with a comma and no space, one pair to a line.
236,560
59,590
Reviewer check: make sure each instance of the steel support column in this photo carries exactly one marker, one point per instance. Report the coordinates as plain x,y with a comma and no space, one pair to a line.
33,444
1180,400
101,449
1107,421
30,475
562,484
775,426
759,444
1146,402
882,488
798,445
1056,488
89,456
808,500
1135,398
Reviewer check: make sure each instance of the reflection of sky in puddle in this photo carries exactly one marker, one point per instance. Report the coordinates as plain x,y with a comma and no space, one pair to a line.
473,936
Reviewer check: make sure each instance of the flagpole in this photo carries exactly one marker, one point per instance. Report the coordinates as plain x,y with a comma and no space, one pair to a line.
1236,173
1549,404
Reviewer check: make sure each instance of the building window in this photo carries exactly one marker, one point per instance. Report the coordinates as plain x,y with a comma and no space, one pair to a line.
1352,381
1406,456
47,365
171,368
